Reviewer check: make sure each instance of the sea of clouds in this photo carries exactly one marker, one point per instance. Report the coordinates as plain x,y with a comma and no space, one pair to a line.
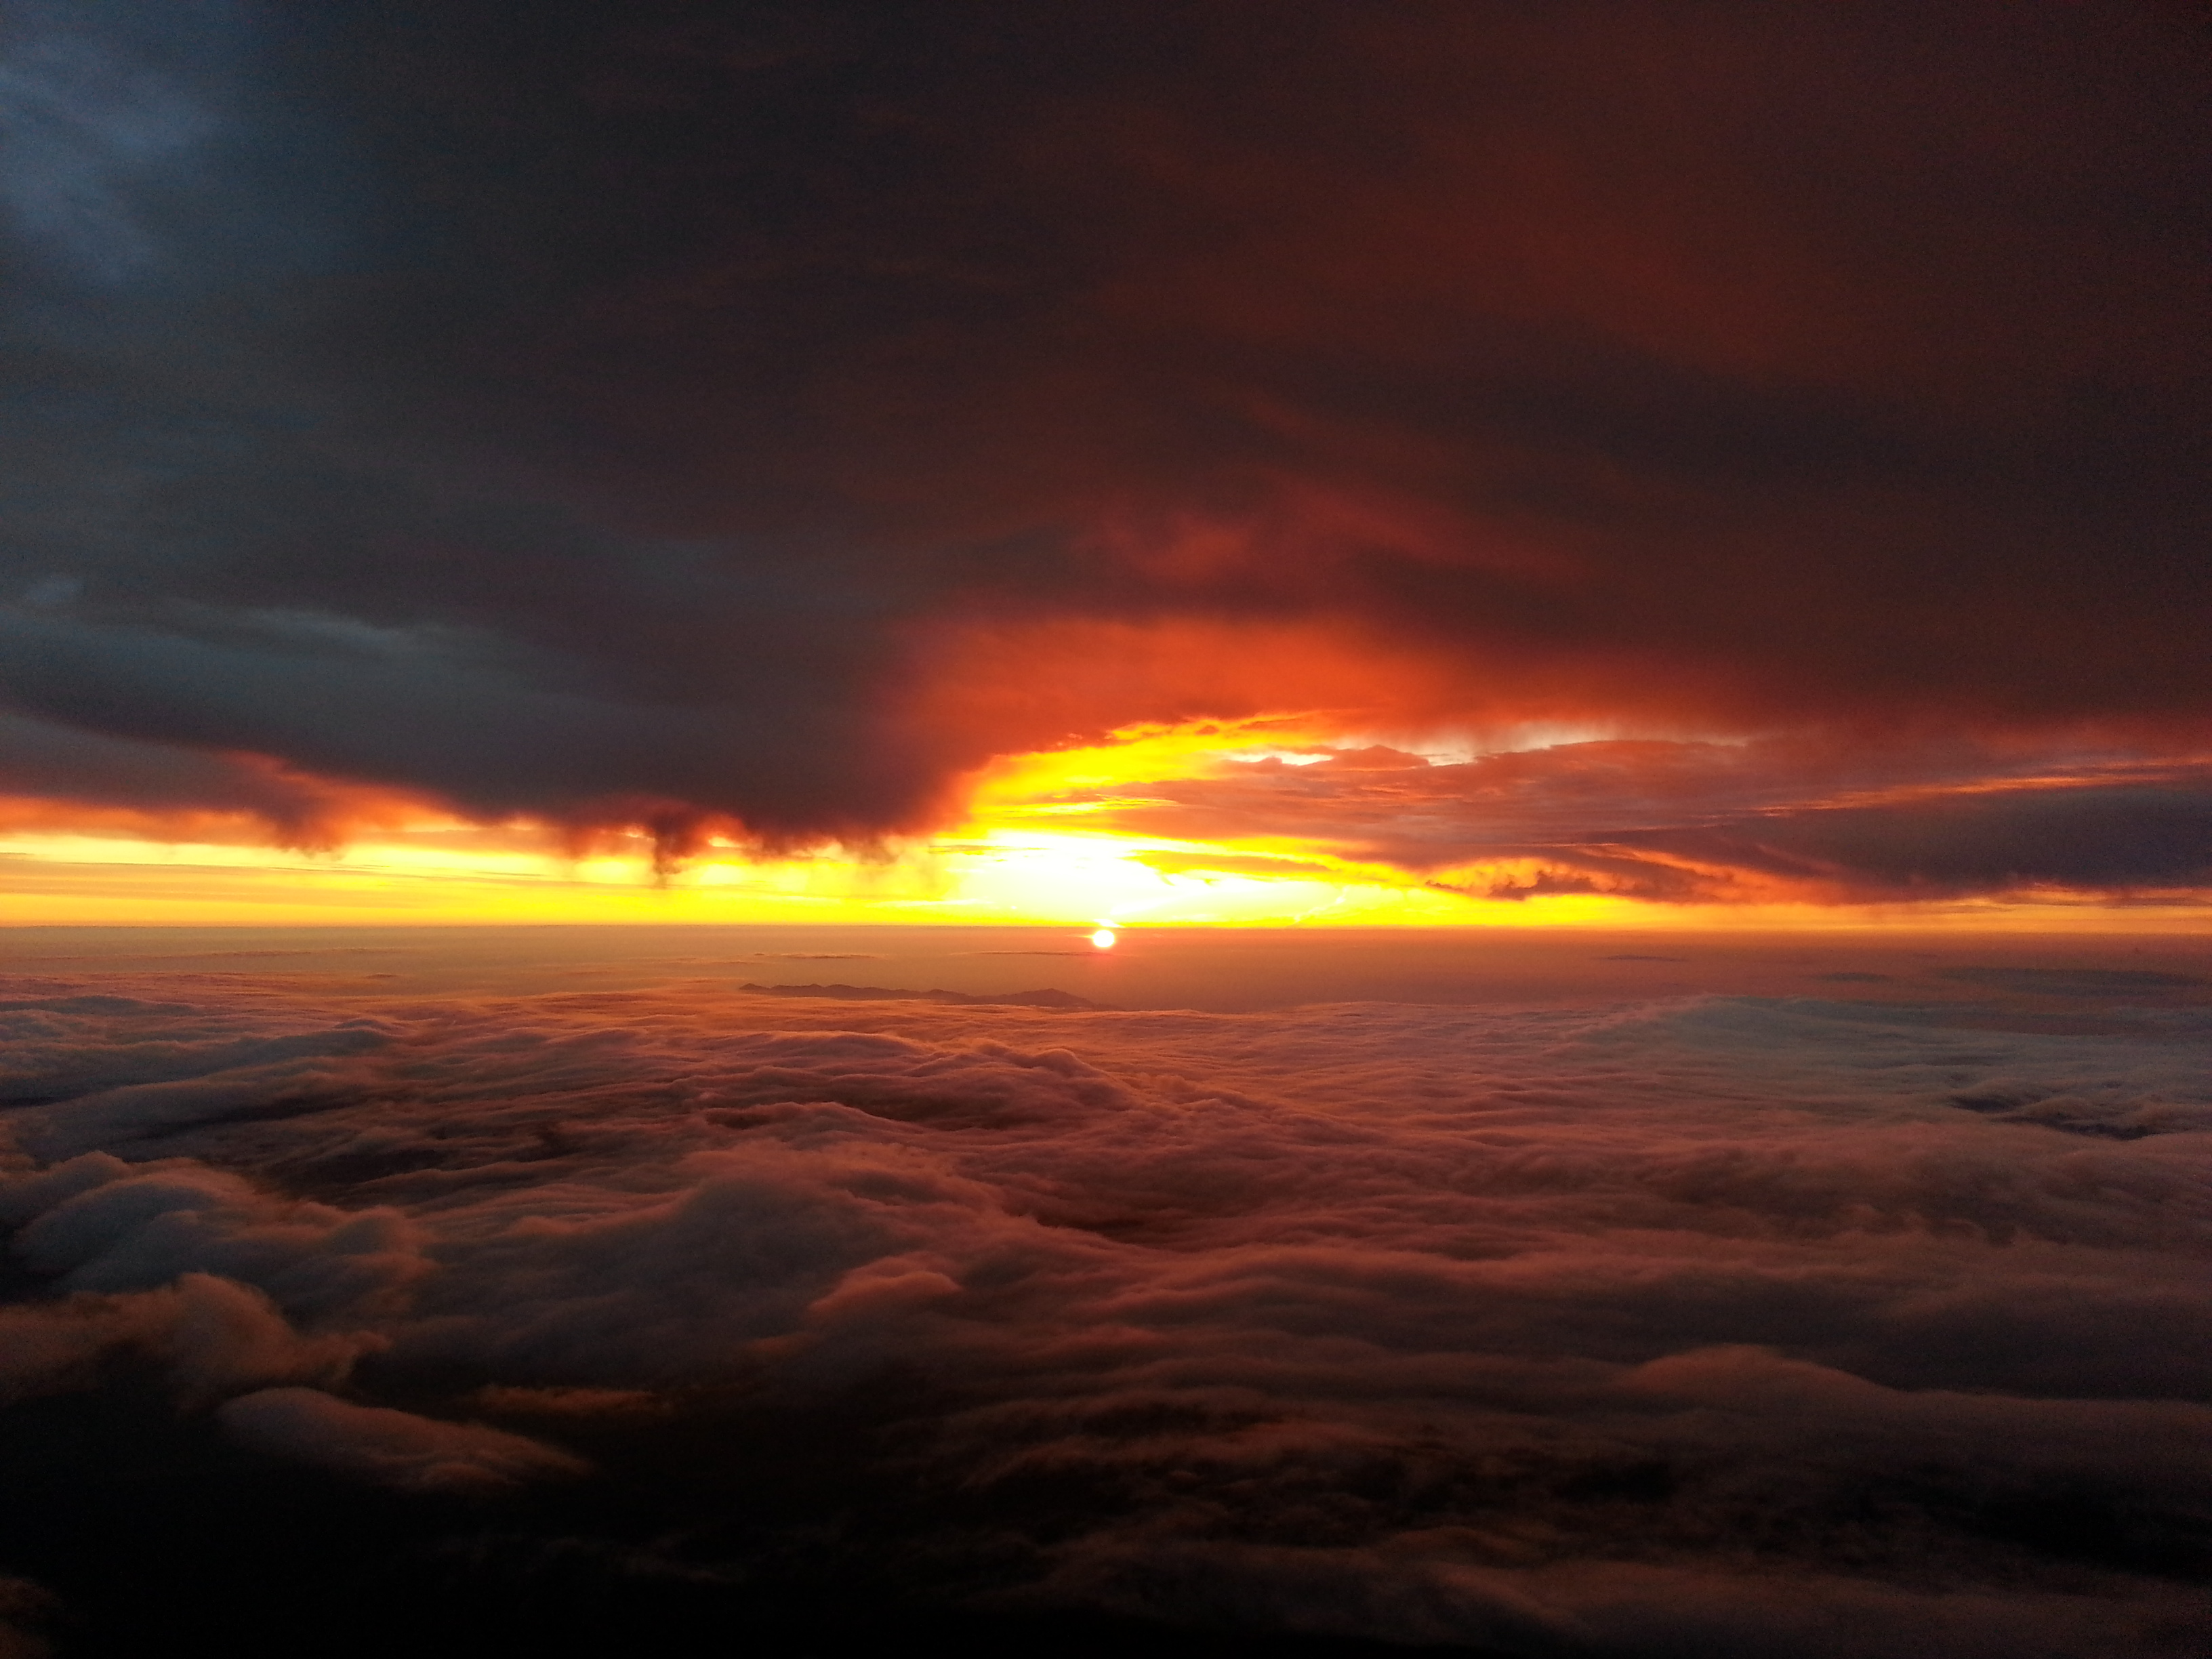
1724,1326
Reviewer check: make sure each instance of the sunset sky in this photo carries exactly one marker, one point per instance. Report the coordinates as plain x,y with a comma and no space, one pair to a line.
1447,764
1232,463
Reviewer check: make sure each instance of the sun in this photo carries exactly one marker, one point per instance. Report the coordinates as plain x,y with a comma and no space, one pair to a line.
1104,938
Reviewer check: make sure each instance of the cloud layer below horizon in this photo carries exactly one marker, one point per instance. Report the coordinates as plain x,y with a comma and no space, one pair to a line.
1731,1325
756,417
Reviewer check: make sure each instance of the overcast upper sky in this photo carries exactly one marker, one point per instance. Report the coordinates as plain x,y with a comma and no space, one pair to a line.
763,414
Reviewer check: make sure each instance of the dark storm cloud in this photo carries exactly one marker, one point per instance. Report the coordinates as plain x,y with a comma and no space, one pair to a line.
221,543
65,770
611,412
1731,1326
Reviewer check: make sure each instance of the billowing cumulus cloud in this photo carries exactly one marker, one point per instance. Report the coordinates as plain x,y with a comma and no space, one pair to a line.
1732,1325
389,1448
753,414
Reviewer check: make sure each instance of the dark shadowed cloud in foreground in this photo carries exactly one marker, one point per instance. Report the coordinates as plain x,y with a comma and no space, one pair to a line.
630,413
1727,1326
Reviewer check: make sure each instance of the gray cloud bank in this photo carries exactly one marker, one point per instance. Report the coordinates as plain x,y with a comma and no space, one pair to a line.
1704,822
1728,1327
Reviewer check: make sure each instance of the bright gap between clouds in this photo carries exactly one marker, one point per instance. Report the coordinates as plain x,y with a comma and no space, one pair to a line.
1050,837
1025,853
